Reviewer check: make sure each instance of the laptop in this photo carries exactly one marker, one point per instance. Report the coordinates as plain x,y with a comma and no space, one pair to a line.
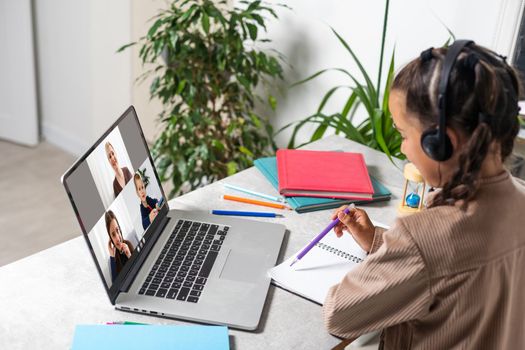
153,260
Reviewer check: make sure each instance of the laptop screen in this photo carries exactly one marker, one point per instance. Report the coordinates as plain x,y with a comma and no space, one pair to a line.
116,195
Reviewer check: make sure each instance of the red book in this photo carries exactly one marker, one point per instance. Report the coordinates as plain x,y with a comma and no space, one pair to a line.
323,174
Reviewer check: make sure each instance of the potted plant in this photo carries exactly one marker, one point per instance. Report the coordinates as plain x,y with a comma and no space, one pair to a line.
206,83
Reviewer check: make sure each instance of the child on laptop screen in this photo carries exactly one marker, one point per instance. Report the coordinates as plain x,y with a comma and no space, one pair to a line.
450,276
149,207
119,249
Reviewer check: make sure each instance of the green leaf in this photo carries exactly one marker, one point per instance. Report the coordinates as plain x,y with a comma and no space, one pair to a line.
319,132
188,13
364,98
154,28
328,95
383,37
205,22
252,29
273,102
255,119
313,118
378,130
253,6
315,75
154,85
349,104
232,168
180,87
389,79
246,151
245,82
259,20
122,48
173,39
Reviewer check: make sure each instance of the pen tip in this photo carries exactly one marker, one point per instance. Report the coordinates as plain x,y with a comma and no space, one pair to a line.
293,262
279,216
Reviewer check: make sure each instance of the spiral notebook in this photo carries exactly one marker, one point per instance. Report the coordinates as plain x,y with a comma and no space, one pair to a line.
324,266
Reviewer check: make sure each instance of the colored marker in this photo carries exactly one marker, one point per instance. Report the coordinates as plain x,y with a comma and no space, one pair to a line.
320,236
258,194
246,213
256,202
126,323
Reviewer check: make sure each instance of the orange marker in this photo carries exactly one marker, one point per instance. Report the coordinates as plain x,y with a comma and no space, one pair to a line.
256,202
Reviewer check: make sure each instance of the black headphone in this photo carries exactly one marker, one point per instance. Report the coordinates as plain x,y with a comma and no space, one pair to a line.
435,141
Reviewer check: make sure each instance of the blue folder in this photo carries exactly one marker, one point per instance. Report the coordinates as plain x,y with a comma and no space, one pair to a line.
138,337
268,167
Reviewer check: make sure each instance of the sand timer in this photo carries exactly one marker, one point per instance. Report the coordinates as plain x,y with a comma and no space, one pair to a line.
412,202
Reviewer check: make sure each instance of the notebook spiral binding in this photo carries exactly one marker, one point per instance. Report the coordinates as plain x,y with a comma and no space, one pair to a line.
340,253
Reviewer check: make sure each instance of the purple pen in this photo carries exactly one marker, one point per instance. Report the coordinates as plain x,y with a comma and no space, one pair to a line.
320,236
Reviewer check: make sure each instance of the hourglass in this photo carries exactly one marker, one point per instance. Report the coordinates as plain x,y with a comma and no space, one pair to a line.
413,201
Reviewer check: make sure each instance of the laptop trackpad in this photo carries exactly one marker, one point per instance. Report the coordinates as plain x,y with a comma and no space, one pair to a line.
244,267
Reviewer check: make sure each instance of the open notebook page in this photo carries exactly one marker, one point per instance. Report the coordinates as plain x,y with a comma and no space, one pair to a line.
323,266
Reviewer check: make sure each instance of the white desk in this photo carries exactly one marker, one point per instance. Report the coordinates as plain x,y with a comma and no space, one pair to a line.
44,296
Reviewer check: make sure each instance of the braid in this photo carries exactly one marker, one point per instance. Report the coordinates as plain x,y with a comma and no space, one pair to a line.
463,185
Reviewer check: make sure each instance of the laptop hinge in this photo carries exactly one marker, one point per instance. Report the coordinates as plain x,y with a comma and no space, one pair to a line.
146,249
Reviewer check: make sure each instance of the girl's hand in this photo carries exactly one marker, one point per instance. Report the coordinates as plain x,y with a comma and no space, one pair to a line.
111,249
125,249
153,215
357,223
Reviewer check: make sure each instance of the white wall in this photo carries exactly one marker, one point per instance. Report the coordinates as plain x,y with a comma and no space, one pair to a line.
147,110
84,85
18,98
304,36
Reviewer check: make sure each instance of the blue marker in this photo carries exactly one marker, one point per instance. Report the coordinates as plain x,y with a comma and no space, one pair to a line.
246,213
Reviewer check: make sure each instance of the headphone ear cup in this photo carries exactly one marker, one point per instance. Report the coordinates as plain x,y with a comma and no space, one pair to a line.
433,148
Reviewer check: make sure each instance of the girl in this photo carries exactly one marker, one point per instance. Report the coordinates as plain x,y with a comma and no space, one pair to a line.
451,276
119,249
149,207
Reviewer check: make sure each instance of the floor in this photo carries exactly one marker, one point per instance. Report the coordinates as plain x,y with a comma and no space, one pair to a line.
35,213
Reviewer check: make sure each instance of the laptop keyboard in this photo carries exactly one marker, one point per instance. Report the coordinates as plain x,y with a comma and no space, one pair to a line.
185,262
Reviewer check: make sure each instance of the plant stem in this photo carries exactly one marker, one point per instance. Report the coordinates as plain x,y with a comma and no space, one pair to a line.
385,20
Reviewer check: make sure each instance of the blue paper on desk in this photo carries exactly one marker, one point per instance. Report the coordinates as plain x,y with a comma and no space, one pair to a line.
138,337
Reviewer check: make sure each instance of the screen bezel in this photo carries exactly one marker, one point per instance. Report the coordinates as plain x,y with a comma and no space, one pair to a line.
150,234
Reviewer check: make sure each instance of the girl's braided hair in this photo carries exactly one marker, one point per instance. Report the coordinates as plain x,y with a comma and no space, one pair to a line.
482,102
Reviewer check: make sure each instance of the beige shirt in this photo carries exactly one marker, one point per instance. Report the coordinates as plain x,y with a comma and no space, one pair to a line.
443,278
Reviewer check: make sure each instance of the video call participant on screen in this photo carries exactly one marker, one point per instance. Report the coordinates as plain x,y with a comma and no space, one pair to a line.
119,249
149,207
122,175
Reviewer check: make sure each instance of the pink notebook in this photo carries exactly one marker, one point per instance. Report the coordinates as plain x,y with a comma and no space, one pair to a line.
323,174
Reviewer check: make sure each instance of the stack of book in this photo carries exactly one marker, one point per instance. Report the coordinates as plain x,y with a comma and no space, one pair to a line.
317,180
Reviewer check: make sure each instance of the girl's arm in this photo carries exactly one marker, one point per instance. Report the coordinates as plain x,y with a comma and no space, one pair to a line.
389,287
378,239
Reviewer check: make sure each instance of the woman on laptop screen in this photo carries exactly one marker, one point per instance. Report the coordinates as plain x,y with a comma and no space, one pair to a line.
119,249
122,175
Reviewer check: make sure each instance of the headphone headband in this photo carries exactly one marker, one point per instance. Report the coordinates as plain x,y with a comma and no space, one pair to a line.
434,141
450,59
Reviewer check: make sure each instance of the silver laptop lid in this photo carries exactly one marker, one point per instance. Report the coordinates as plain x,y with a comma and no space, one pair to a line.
117,198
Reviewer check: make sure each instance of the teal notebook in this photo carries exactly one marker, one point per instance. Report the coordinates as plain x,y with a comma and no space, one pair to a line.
268,167
137,337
